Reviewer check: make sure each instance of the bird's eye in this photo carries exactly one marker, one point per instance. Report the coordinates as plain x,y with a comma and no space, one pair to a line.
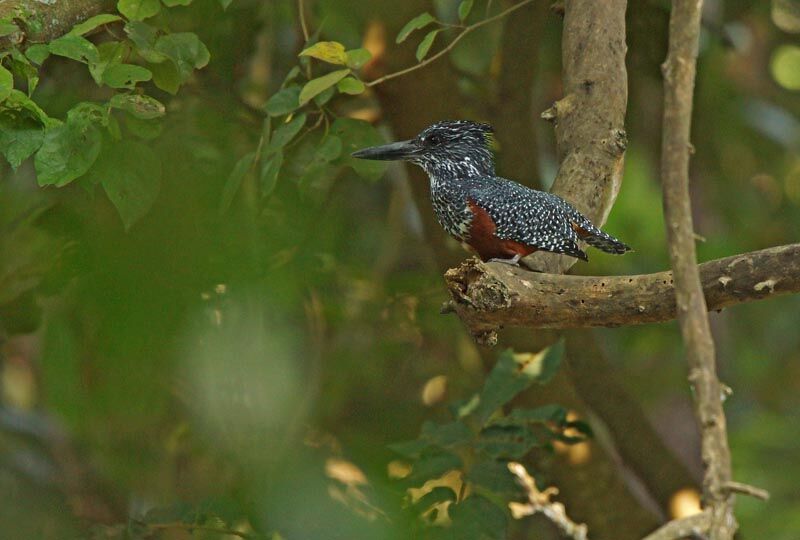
434,139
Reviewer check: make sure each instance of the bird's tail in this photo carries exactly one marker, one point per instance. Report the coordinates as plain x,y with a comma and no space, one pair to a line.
601,240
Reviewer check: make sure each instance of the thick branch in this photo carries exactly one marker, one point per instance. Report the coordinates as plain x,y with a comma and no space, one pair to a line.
489,296
679,75
590,118
41,21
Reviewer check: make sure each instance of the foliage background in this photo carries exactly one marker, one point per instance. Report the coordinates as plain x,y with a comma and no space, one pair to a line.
205,338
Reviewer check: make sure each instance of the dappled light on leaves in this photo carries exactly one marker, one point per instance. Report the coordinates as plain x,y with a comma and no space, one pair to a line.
434,390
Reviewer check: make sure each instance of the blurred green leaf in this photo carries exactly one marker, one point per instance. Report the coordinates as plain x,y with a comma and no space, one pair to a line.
356,58
7,27
93,22
476,517
430,466
109,54
786,15
185,50
37,53
130,173
330,148
420,21
6,83
138,10
285,133
75,48
225,3
284,101
510,441
19,139
125,75
235,179
144,38
514,373
494,477
140,106
173,3
350,85
269,173
464,9
425,45
67,152
328,51
320,84
325,96
355,135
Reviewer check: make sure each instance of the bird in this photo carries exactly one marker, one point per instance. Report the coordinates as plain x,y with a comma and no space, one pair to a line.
499,219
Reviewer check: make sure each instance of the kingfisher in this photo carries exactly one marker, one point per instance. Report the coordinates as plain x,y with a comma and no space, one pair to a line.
498,219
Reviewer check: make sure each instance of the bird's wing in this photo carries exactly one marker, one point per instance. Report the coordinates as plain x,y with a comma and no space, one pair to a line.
535,218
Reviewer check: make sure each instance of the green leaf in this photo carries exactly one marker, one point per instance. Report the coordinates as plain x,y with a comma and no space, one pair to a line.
130,172
225,3
350,85
125,75
355,135
74,47
356,58
6,83
320,84
90,24
144,129
511,441
435,496
325,96
7,28
173,3
464,9
138,10
514,373
37,53
18,101
494,477
327,51
420,21
19,139
330,148
425,44
476,517
285,133
166,76
109,54
67,152
185,50
144,38
140,106
284,101
269,173
431,466
234,181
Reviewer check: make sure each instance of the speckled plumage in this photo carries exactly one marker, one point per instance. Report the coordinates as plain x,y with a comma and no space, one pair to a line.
495,216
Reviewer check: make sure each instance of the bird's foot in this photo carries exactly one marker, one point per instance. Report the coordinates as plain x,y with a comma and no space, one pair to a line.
513,261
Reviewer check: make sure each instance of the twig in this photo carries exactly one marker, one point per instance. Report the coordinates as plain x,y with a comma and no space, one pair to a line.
681,528
747,489
679,76
539,502
450,45
302,12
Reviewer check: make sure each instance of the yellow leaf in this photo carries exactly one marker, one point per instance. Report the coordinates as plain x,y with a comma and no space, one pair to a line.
328,51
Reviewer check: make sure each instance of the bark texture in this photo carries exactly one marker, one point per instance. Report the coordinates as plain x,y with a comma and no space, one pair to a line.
590,119
679,76
488,296
42,21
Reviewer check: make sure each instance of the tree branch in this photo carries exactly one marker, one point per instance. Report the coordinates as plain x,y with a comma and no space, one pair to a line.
41,22
490,295
688,527
590,118
679,76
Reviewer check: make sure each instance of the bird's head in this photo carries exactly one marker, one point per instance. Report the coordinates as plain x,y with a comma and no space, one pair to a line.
456,148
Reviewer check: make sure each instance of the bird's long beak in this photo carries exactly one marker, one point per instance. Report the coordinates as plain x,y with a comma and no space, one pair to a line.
394,151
